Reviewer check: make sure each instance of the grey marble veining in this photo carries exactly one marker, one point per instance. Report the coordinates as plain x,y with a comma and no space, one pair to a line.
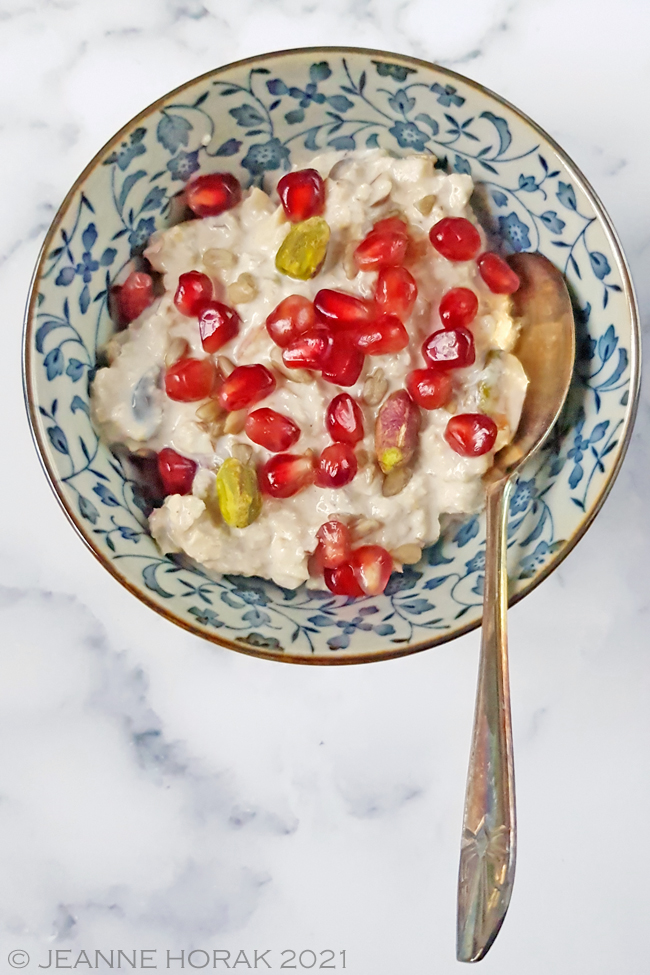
160,793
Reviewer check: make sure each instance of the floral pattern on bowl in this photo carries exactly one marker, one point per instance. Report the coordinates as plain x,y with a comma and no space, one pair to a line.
262,116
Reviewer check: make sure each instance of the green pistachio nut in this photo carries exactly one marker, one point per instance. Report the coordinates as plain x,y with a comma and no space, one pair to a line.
238,493
303,250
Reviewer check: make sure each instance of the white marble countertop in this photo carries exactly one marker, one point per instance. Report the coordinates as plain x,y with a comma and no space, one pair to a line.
160,794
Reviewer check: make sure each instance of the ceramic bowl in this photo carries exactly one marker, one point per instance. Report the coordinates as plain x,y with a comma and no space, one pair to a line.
259,117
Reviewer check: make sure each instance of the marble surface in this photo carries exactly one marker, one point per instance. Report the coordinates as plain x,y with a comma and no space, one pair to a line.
159,794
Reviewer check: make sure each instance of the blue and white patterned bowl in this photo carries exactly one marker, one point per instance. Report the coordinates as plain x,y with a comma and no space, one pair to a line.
259,116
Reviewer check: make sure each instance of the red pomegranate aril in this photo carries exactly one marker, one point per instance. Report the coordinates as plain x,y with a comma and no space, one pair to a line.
383,336
284,475
458,308
455,238
334,544
343,362
193,293
210,195
271,430
430,388
176,472
392,225
293,316
340,310
218,324
449,348
372,567
244,386
132,297
396,291
344,419
189,380
381,248
309,350
302,194
337,465
471,434
497,274
342,581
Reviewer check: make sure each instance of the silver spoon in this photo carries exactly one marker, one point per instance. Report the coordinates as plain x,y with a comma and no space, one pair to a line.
546,349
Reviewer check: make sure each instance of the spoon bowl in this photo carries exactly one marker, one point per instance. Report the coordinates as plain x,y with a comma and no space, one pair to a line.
546,350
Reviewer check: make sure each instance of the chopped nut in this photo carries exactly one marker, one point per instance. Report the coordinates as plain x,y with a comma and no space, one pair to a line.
242,290
349,261
225,365
235,422
242,451
425,205
293,375
380,190
178,348
395,481
217,259
238,493
375,388
209,411
408,554
363,457
397,430
363,527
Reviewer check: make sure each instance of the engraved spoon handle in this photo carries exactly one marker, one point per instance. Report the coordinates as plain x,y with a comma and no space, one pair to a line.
487,857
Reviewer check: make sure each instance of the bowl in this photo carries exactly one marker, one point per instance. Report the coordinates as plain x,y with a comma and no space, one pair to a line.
259,117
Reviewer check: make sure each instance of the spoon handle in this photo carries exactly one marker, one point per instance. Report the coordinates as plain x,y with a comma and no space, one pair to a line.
487,856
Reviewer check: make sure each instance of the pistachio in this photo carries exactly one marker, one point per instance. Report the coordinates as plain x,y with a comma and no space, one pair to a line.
242,290
217,259
238,493
396,431
302,252
177,348
409,554
235,422
375,388
396,481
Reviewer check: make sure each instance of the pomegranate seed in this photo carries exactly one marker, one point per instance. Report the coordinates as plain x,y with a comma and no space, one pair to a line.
176,472
497,274
189,380
396,291
342,581
333,543
385,335
302,194
271,430
450,348
132,297
193,293
309,350
381,248
471,434
392,225
208,196
293,316
244,386
372,567
455,238
337,465
341,310
344,419
343,363
430,388
458,308
286,474
218,324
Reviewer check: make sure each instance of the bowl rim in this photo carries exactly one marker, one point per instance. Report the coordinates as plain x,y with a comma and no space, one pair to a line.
335,659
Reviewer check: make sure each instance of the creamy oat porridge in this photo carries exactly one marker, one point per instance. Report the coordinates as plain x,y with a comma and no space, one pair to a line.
325,372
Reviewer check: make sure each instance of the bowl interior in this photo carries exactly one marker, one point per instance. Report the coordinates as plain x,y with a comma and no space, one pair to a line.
259,117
